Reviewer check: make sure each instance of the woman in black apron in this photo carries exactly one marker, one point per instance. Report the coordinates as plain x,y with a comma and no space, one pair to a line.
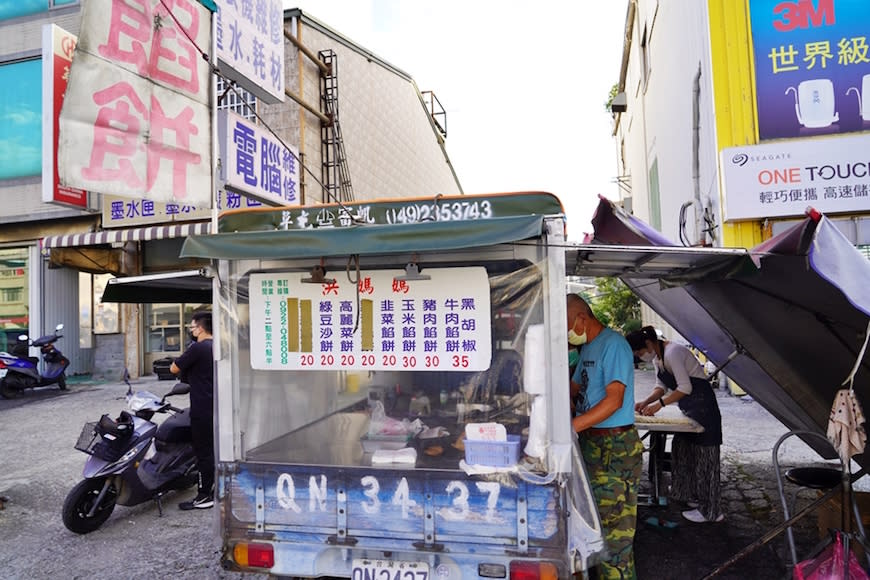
680,379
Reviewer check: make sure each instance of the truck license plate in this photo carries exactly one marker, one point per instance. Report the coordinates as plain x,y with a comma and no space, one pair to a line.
371,569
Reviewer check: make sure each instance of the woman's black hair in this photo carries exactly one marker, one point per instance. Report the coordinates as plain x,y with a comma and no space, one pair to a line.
637,339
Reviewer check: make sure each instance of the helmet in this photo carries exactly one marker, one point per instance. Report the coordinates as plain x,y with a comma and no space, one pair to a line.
119,428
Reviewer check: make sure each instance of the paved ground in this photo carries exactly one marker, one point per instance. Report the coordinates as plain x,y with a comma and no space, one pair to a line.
750,501
38,466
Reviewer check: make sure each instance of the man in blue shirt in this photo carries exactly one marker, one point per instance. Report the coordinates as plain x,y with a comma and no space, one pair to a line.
603,385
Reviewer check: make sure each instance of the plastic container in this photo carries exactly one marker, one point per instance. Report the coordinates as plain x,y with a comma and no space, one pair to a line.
493,453
372,443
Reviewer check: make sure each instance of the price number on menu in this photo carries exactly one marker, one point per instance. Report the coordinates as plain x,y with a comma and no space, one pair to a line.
384,361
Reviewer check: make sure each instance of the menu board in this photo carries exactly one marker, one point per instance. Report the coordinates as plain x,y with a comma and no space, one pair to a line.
380,322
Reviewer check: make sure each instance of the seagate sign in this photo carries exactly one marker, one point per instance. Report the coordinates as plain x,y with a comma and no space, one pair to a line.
784,178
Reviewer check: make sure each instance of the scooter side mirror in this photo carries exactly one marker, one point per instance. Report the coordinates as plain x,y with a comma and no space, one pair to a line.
180,389
22,337
58,328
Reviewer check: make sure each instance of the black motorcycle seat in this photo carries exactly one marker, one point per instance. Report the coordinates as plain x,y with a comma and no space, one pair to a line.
175,429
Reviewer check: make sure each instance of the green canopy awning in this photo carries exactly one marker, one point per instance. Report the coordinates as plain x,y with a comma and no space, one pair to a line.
192,286
364,239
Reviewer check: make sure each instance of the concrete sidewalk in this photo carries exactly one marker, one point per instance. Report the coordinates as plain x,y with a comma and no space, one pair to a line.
750,500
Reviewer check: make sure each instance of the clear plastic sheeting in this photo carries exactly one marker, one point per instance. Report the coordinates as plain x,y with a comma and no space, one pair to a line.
322,417
319,416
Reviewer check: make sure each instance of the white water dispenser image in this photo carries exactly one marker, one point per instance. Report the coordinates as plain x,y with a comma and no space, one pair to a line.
863,97
814,103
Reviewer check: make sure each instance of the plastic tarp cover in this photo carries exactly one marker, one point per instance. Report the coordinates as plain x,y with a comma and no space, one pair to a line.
367,239
792,327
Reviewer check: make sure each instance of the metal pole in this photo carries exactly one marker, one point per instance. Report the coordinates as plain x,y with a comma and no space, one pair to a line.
324,68
327,120
766,538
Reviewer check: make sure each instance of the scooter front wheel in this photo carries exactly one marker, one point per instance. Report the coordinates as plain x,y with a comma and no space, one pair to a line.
80,501
7,391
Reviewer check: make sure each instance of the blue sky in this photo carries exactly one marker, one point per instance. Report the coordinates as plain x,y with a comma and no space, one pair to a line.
21,119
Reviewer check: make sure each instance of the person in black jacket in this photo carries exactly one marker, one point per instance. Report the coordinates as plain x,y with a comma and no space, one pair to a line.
196,367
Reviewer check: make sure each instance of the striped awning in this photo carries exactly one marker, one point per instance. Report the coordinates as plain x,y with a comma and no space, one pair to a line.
146,234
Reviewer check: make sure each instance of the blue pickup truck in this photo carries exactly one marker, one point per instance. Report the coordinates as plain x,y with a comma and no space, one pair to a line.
383,411
392,381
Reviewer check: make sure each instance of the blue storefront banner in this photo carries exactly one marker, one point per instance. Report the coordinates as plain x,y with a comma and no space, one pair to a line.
812,66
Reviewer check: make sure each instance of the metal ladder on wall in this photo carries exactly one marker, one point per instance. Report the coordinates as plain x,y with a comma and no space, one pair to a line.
334,168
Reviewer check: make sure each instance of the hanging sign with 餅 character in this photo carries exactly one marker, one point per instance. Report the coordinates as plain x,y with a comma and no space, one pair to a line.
135,121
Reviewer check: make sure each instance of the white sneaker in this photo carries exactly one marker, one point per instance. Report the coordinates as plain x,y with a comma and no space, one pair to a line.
697,517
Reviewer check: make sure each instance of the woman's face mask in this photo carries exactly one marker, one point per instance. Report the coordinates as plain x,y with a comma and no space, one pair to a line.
647,356
575,339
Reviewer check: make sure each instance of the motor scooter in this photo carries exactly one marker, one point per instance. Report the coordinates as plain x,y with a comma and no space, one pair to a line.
19,371
124,467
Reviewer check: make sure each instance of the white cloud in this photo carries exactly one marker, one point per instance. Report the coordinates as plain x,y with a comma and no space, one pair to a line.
23,117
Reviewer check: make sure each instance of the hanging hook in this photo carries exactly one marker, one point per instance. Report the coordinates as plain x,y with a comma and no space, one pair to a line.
318,275
412,271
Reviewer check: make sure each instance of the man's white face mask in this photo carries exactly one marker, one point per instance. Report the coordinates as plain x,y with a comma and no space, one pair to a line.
575,339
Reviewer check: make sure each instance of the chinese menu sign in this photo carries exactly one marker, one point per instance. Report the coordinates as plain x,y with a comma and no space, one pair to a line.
250,45
812,66
135,121
438,324
255,163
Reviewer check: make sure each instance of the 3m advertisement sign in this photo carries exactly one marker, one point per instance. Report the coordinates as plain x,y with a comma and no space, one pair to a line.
812,66
783,179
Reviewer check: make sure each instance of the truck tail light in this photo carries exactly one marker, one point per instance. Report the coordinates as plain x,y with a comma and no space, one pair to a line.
524,570
254,555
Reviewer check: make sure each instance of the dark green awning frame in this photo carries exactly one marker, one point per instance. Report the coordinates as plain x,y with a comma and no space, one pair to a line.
364,239
192,286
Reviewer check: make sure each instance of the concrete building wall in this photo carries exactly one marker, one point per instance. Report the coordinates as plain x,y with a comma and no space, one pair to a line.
391,144
668,52
22,37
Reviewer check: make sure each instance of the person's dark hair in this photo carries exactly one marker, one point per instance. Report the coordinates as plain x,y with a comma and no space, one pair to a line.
203,320
637,339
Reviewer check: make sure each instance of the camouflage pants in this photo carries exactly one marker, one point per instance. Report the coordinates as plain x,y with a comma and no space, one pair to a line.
614,463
